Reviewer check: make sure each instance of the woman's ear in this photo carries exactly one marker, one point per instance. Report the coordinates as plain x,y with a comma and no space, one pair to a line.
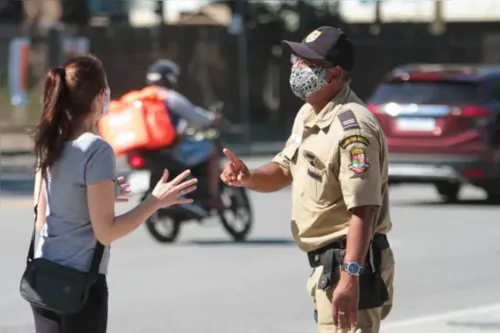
103,96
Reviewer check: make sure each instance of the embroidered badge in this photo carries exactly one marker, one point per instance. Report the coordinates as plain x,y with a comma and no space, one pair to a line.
312,36
354,139
348,120
358,160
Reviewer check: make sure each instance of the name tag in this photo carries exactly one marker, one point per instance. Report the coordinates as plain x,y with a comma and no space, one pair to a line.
314,175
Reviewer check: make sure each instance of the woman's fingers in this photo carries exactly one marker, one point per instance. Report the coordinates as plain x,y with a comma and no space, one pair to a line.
180,177
184,201
185,185
186,190
164,177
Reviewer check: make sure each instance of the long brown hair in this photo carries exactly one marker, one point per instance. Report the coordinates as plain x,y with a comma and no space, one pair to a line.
68,99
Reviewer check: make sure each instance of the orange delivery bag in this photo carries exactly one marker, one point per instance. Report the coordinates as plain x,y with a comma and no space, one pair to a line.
138,121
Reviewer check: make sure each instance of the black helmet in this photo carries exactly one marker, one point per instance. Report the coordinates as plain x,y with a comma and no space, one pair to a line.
164,73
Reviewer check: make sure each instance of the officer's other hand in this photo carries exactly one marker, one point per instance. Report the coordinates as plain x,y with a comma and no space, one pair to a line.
345,301
235,172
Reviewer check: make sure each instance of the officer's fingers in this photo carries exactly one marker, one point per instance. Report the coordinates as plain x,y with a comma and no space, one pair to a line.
229,168
225,178
242,177
228,180
345,320
229,175
233,158
354,315
335,314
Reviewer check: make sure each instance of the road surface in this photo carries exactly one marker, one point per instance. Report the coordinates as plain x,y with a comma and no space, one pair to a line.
447,273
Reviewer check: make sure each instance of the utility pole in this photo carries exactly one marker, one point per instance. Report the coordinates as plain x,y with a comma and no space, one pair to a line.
239,21
158,30
438,25
375,28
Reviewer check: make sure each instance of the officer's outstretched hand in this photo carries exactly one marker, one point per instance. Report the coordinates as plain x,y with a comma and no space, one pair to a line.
235,172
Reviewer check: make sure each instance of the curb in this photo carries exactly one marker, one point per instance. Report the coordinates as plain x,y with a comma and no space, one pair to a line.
15,153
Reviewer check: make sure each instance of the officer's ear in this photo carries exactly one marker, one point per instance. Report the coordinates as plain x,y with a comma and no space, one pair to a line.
334,74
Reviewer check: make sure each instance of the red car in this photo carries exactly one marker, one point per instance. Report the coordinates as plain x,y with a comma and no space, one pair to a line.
442,124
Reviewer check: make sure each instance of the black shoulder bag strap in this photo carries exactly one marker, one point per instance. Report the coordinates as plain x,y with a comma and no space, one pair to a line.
96,258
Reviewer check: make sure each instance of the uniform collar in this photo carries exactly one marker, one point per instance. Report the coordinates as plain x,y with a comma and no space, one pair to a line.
325,117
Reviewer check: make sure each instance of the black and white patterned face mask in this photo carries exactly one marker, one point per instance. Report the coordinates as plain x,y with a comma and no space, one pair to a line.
305,81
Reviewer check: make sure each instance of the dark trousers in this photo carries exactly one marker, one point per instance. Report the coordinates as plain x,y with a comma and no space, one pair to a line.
92,319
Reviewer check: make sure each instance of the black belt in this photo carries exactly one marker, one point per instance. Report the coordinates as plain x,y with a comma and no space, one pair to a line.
315,257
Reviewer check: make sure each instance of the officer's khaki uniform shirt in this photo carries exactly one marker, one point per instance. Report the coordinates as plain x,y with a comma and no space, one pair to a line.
338,161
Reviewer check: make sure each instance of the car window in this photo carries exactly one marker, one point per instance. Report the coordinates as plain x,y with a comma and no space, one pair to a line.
433,92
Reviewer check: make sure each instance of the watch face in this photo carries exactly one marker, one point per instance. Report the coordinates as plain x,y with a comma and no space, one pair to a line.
353,268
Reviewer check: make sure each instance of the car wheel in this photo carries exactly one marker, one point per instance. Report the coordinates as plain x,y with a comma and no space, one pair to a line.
448,191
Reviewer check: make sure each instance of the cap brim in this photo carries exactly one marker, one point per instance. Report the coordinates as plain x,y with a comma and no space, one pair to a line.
301,50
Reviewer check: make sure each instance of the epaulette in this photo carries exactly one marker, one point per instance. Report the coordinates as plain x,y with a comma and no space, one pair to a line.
348,120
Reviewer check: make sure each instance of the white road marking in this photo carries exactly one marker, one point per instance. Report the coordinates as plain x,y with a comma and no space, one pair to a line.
440,317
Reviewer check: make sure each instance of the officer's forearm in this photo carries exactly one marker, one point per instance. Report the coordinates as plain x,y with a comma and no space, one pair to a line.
359,234
269,178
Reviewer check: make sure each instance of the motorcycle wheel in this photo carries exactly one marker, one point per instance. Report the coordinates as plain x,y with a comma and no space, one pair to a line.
237,218
163,228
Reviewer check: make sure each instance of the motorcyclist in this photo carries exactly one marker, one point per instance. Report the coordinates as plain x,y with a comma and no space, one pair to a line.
200,156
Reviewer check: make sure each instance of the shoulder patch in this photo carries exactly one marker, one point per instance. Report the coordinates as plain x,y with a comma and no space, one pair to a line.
358,160
348,120
354,139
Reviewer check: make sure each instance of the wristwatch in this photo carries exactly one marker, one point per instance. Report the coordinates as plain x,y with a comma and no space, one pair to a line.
352,268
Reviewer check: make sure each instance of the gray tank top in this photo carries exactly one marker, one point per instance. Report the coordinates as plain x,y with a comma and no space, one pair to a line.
67,237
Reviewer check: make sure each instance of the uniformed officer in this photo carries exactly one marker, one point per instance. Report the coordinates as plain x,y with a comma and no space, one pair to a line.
336,161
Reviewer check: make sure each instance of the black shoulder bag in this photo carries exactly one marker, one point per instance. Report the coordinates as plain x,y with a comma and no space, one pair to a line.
55,287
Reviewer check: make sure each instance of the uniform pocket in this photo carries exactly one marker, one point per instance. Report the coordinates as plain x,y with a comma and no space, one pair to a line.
314,187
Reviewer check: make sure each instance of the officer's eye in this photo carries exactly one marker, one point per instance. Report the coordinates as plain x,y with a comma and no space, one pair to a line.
295,60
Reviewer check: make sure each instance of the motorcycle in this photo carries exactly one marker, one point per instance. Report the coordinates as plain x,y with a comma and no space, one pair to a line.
165,224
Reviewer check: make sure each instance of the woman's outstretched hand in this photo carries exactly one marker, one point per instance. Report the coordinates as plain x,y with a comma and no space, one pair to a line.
171,193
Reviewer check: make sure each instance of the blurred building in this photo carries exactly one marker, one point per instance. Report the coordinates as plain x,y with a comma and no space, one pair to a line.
391,11
197,35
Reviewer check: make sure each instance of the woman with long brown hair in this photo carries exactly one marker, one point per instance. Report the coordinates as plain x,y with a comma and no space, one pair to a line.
78,188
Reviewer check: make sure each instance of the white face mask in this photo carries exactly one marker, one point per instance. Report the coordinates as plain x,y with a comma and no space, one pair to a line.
305,81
